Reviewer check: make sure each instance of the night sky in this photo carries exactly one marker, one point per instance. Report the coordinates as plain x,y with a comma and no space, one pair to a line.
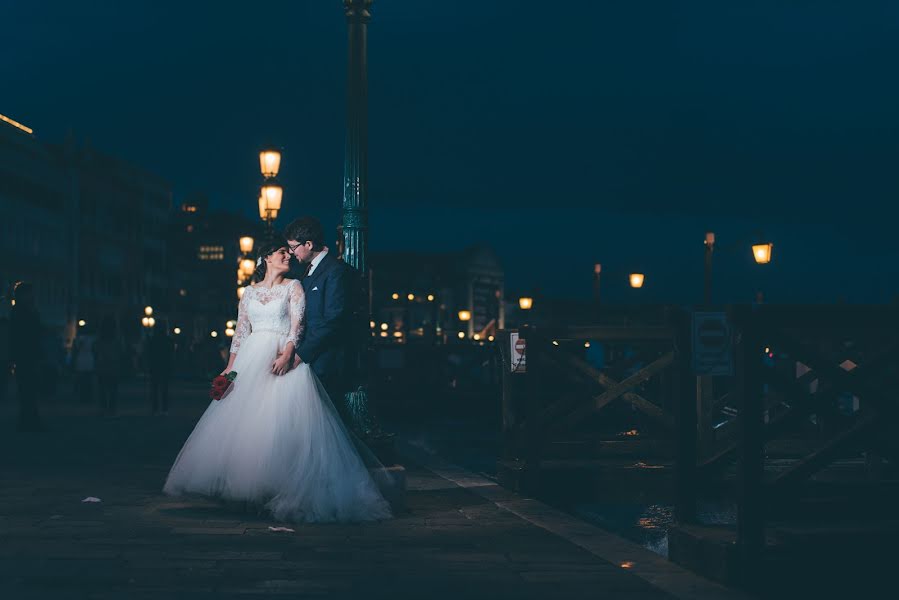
562,133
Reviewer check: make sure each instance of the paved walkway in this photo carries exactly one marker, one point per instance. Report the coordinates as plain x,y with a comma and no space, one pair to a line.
461,536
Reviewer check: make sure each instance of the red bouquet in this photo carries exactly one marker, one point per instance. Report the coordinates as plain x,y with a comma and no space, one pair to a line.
221,384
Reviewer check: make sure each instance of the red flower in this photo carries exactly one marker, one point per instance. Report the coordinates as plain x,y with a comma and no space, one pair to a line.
221,384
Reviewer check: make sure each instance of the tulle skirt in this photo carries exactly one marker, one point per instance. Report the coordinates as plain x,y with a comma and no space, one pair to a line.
277,441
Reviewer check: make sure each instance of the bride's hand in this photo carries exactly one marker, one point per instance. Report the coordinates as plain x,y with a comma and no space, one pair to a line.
281,364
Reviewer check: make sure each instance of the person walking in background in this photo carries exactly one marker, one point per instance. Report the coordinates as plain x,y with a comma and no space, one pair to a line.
108,352
160,353
26,352
84,365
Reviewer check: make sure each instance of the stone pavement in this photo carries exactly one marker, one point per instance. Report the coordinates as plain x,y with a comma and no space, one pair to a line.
458,537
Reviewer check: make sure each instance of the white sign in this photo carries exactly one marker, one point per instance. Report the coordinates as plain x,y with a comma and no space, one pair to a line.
517,352
712,347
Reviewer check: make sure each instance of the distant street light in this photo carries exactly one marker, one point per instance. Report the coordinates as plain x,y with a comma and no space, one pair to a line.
525,303
148,322
148,310
637,280
177,331
762,252
82,323
247,267
246,244
410,297
465,315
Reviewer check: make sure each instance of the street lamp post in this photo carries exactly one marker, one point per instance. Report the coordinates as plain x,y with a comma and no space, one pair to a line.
707,287
354,221
597,270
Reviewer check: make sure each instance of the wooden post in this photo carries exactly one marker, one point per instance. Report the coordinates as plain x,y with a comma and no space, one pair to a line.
751,446
533,403
511,401
685,421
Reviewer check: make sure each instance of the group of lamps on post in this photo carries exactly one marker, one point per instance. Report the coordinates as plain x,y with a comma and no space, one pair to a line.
148,321
761,253
246,266
271,193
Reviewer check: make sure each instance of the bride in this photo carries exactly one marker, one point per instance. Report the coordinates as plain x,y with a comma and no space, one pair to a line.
275,439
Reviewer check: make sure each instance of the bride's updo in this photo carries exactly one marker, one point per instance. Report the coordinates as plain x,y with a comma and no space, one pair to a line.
266,250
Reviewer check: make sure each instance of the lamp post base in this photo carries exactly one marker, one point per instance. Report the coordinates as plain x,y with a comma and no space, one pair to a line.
366,427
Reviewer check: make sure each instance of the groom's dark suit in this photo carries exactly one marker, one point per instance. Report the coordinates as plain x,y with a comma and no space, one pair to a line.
328,339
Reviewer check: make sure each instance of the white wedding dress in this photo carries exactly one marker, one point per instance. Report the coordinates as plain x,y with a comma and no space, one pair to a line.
276,440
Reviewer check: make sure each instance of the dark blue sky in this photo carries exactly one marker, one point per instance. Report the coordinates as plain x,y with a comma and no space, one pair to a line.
561,133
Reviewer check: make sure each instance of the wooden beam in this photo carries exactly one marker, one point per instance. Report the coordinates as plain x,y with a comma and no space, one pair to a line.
610,333
822,457
622,389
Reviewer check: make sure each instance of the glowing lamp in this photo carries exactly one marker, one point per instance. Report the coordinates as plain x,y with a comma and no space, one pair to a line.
525,303
461,335
430,297
247,266
465,315
762,253
410,297
637,280
229,332
395,296
148,310
269,162
246,244
177,331
82,323
383,326
214,334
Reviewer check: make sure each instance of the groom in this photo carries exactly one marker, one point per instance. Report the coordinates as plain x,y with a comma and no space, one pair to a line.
328,284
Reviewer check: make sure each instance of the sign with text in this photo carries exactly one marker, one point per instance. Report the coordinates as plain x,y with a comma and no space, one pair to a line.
517,353
712,344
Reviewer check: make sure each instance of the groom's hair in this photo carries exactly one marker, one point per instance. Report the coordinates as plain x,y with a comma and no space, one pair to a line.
306,229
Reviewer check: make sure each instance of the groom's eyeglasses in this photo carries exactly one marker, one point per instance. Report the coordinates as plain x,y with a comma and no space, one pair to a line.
291,247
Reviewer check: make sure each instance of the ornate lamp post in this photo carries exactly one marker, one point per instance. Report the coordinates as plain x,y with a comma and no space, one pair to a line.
636,280
354,222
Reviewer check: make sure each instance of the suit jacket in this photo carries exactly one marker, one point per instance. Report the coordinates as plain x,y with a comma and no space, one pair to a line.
330,305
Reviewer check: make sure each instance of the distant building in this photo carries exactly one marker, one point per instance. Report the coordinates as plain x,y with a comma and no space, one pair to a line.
206,253
418,296
87,229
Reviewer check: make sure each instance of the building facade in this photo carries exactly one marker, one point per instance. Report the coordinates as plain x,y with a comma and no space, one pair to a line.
88,230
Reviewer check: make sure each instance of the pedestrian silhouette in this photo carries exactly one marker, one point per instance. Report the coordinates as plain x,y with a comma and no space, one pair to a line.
26,351
108,352
160,354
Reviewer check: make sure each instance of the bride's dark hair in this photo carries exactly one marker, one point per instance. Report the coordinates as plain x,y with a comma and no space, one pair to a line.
266,250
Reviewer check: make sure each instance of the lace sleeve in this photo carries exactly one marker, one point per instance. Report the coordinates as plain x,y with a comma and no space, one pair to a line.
243,328
296,301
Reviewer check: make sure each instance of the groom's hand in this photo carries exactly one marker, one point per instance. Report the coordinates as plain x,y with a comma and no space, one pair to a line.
279,367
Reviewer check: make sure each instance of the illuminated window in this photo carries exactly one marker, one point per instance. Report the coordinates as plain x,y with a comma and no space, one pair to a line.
211,253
